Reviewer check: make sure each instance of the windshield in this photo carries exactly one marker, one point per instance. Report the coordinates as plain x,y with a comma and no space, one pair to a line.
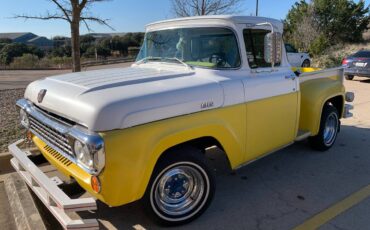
204,47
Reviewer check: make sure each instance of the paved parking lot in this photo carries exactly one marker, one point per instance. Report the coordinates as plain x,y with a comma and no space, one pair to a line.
293,188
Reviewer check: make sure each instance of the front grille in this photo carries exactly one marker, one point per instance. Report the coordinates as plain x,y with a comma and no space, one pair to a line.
57,156
51,136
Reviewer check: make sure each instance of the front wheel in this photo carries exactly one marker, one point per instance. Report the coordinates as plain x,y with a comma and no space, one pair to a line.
181,188
329,127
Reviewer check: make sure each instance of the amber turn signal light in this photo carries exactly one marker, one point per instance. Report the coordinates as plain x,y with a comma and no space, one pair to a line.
29,135
95,184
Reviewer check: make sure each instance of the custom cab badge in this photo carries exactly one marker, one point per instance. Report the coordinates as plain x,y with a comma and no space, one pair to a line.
41,95
207,104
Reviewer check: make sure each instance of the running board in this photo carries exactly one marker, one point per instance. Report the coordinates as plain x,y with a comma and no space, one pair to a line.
302,135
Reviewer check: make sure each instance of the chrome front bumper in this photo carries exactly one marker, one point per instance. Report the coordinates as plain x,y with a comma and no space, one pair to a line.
50,194
347,109
349,97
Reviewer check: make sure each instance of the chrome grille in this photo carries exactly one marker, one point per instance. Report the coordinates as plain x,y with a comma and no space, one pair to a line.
51,136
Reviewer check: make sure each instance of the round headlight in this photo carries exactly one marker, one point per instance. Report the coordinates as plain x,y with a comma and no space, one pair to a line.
24,119
83,155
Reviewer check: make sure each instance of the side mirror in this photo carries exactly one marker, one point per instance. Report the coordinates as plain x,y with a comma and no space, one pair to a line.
272,51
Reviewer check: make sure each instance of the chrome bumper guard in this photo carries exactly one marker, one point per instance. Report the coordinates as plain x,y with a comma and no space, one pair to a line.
347,109
50,194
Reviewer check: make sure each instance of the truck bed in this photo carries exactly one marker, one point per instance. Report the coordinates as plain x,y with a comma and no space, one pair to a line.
317,73
317,86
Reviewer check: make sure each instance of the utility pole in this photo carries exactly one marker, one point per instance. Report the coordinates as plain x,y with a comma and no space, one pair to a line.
256,7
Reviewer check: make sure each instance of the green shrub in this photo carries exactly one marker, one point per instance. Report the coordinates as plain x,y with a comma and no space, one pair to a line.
319,45
26,61
61,62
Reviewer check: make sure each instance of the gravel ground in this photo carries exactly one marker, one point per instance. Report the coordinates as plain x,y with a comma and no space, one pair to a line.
9,117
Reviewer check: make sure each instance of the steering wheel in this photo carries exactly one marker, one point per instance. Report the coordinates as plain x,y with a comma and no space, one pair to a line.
218,59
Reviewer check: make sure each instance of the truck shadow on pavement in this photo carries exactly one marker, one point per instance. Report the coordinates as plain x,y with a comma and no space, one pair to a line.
367,80
279,191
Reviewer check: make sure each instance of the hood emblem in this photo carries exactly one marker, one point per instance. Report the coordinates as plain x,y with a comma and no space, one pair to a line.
41,95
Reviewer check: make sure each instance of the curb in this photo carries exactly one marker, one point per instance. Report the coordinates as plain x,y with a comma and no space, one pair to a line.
25,212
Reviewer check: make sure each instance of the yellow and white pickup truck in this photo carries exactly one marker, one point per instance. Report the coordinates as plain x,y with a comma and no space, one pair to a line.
140,133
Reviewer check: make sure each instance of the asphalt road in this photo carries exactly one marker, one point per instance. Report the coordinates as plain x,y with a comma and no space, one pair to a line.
15,79
292,188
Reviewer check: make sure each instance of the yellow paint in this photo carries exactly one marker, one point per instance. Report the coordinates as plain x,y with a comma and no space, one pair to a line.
271,123
314,94
323,217
305,69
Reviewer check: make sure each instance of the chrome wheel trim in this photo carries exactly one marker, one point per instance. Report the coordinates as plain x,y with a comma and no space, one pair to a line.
175,209
331,129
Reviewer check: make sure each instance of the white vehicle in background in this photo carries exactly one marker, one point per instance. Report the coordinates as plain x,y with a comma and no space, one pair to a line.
296,58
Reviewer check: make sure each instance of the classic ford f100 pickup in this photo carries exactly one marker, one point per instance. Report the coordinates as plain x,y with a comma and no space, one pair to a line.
140,133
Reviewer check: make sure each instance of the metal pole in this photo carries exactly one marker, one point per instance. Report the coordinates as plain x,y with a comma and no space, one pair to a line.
257,8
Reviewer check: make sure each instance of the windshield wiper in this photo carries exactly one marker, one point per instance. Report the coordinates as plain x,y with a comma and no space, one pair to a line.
179,61
144,60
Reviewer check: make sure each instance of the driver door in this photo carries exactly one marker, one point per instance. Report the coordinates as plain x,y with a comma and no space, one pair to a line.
272,100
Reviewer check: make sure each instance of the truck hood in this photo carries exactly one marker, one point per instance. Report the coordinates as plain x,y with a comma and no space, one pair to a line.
119,98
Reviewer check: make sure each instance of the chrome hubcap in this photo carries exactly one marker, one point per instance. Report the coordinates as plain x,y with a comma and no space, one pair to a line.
179,190
331,128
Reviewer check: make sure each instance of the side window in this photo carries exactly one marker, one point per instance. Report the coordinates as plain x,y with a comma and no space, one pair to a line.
290,49
254,40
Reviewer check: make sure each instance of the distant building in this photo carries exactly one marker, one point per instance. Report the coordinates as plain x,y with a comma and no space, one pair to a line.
29,39
104,35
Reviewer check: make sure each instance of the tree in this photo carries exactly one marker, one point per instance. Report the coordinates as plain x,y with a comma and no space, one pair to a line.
300,27
5,40
342,20
187,8
319,24
86,42
13,50
74,12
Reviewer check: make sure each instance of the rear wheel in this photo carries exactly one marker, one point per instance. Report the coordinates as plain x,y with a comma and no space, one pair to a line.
306,63
329,127
350,77
181,188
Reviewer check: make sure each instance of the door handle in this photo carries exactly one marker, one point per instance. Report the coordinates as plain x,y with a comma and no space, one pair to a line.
291,77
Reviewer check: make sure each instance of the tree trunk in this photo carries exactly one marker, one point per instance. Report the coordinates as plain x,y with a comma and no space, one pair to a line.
203,8
76,55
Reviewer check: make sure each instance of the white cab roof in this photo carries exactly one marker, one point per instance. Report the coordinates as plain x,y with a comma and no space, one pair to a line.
222,20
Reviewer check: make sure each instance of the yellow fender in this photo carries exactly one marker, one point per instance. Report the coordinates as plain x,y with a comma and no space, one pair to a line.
133,153
314,95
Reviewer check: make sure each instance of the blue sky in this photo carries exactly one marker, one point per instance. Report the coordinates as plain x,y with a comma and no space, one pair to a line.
125,15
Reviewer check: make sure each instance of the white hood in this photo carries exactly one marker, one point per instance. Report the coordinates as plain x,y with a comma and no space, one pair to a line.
119,98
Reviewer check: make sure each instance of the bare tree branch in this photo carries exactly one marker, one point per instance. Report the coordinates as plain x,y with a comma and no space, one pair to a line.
186,8
45,17
66,12
98,20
